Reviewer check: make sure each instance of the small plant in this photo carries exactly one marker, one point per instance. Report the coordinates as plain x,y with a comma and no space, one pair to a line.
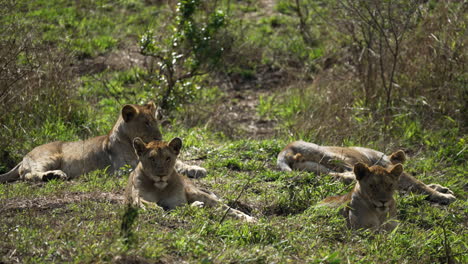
192,50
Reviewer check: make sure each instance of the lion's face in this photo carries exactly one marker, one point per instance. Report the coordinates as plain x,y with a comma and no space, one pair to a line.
141,121
378,184
158,159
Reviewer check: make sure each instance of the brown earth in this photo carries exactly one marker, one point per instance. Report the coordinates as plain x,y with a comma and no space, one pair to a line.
47,203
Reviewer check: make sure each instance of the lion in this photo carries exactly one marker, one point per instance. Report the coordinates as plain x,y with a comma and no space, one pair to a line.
370,205
68,160
339,162
155,181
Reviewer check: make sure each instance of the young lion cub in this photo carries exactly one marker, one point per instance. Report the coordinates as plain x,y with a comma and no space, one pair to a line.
155,180
370,204
339,161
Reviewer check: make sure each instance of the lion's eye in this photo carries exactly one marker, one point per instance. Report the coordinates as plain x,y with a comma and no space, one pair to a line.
168,159
147,123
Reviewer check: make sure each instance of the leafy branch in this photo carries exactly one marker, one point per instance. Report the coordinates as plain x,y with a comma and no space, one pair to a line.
192,50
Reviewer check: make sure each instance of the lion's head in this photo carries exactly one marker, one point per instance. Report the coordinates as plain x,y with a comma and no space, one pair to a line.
377,184
157,159
140,121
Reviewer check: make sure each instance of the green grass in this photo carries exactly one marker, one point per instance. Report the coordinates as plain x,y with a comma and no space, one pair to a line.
88,28
290,228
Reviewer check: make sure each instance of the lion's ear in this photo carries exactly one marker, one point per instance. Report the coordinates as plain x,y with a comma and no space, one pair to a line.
361,170
151,106
176,145
398,157
397,170
158,114
139,146
129,112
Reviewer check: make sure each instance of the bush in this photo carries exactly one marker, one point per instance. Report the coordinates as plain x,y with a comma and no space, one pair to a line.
192,47
36,88
394,78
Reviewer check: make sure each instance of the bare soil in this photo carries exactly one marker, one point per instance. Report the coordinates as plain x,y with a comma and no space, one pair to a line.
53,202
237,115
124,58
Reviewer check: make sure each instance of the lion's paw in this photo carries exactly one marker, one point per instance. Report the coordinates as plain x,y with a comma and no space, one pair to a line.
440,188
198,204
442,198
195,172
240,215
54,174
249,219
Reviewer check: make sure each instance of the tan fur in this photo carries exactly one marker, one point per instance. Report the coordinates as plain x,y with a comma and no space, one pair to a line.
370,204
339,161
155,181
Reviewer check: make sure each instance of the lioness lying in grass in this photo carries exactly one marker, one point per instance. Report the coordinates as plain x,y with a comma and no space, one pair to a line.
370,204
339,161
65,160
156,181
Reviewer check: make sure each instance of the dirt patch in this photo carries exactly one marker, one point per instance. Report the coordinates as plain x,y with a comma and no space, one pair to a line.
237,116
268,6
124,259
264,8
47,203
121,59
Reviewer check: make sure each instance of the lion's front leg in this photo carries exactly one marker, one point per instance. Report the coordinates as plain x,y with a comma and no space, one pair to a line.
439,188
310,166
347,177
45,176
238,214
134,198
199,198
436,193
390,225
145,204
191,171
42,169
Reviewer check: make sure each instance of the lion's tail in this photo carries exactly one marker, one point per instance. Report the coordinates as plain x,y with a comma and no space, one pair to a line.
283,161
12,175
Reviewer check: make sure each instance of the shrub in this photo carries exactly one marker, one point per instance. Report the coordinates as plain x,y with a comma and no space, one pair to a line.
191,48
35,88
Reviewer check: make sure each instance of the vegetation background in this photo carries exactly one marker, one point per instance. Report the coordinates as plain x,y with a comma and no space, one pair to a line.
237,80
